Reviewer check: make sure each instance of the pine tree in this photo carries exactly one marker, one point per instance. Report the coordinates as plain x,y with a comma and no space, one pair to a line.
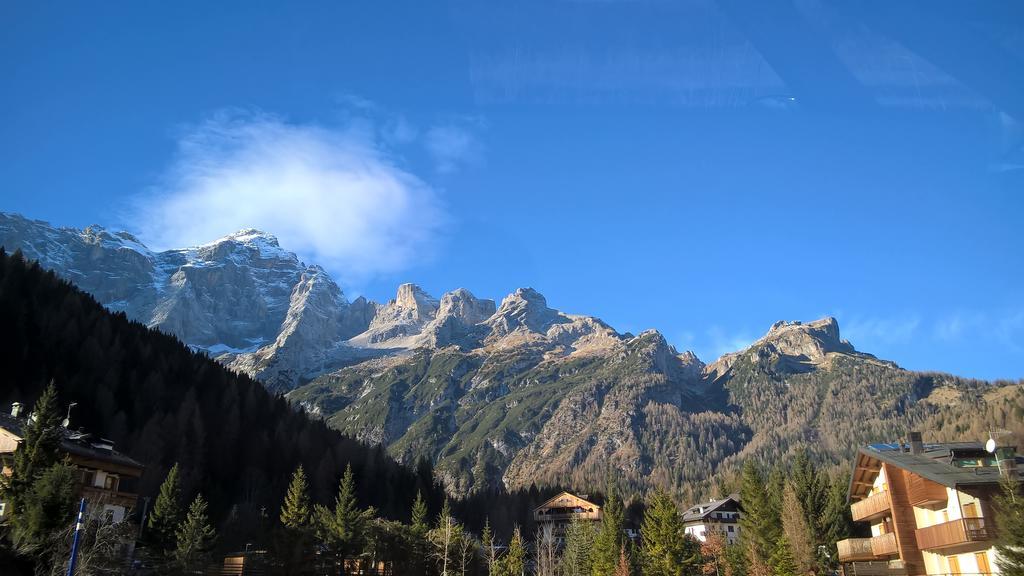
418,534
1010,520
797,532
664,546
579,543
487,542
296,512
48,508
782,561
608,543
167,514
836,522
194,535
622,566
514,561
341,530
296,523
756,529
38,451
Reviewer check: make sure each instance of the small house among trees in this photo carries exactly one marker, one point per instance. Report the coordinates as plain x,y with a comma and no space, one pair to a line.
104,476
554,516
717,516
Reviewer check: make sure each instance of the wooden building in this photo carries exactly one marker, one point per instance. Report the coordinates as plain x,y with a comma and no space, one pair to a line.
929,507
555,515
106,478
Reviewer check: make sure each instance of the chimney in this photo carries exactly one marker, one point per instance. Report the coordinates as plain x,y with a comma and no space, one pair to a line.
16,409
916,445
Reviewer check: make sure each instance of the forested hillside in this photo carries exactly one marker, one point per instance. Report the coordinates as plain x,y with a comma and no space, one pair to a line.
163,403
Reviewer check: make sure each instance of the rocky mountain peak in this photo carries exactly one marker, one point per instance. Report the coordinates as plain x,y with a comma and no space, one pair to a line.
811,339
525,309
464,306
412,300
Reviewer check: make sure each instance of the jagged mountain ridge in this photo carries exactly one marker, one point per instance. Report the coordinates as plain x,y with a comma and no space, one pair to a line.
258,309
515,393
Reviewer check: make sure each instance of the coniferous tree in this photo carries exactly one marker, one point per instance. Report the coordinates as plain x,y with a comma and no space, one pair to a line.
38,451
194,535
579,543
664,550
487,544
341,530
167,514
797,533
758,534
48,507
296,522
1010,520
513,563
622,567
836,521
296,512
609,541
418,532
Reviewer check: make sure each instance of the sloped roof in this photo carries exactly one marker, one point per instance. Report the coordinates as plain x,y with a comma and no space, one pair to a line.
704,509
76,443
934,463
561,494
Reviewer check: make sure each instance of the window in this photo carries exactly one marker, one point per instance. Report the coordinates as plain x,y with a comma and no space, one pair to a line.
982,560
730,528
110,483
971,510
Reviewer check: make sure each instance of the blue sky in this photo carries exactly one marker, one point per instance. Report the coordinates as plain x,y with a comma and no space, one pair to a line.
703,168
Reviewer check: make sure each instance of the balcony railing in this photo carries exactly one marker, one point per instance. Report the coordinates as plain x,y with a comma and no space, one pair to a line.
956,533
877,548
884,545
871,507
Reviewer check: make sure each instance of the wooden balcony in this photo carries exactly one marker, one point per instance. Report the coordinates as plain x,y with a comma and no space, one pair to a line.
884,545
872,507
925,493
955,536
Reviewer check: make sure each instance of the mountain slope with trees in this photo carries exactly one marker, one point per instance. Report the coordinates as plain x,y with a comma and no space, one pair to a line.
162,404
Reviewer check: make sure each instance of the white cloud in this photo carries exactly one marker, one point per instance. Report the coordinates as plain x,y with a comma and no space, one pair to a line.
452,146
723,342
333,195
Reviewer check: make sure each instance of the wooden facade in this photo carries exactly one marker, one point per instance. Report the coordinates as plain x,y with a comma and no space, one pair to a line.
929,512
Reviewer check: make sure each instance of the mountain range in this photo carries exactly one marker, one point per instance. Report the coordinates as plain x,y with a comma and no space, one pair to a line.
516,393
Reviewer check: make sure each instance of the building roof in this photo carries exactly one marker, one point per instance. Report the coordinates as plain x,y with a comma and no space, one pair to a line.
934,463
77,443
703,510
562,494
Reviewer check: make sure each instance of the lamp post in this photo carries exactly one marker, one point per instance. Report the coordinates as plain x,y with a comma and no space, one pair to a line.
78,535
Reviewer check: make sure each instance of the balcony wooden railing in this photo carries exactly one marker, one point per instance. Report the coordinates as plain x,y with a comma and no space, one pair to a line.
961,532
877,548
925,493
871,507
884,545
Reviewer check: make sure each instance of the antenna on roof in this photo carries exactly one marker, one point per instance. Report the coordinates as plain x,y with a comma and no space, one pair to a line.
67,420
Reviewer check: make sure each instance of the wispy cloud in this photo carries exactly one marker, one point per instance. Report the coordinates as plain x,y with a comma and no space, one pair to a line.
453,145
722,341
335,195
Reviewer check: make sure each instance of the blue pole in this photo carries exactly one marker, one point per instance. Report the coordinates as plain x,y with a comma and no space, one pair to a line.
78,534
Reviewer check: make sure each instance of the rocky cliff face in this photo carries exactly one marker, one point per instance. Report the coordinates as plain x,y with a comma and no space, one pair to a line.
511,395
